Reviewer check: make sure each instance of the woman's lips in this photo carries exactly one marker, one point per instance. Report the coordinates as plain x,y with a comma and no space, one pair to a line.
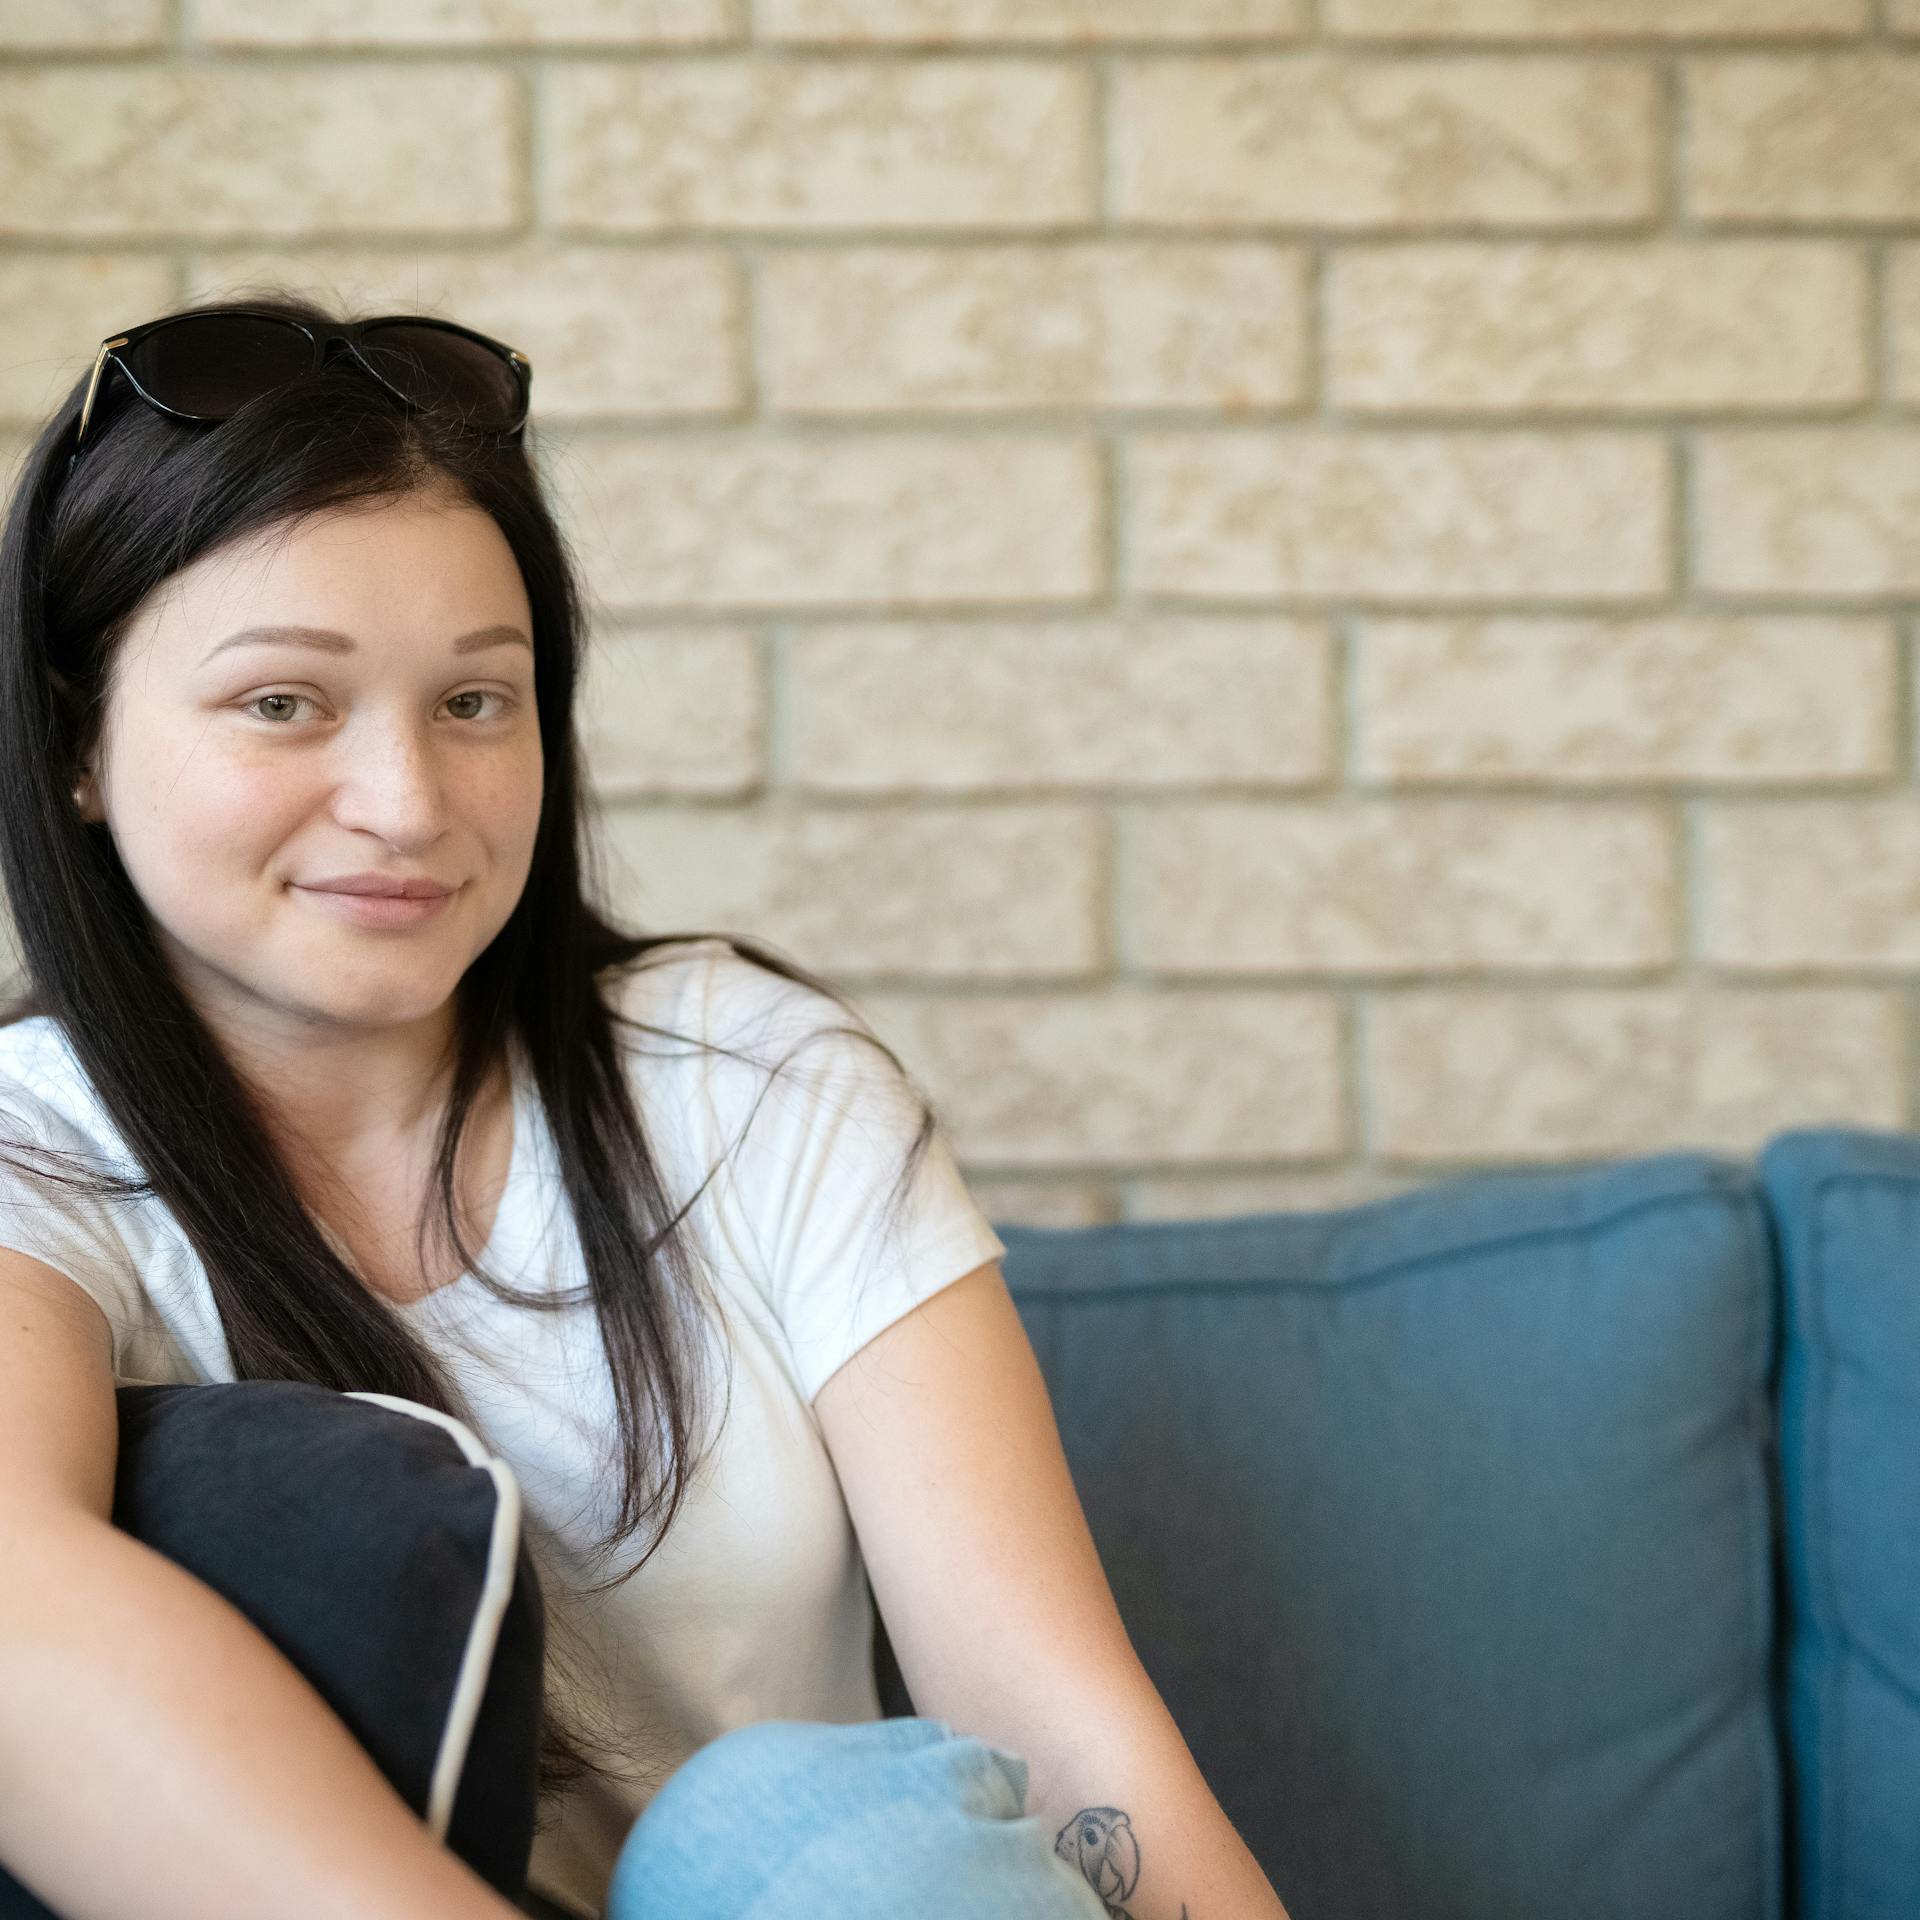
377,909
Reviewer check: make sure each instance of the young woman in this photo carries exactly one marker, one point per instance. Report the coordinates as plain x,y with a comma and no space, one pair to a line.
369,1092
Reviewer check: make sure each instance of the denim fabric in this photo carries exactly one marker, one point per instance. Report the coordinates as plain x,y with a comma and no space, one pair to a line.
810,1820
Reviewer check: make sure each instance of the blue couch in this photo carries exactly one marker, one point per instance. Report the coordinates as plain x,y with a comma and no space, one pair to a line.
1542,1545
1538,1546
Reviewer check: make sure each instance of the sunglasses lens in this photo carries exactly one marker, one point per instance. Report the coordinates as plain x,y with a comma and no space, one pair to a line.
210,364
438,368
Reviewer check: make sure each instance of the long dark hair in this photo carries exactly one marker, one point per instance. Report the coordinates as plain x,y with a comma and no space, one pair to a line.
78,555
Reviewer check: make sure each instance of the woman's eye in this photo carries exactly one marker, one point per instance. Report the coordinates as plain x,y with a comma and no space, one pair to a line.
286,698
482,693
300,699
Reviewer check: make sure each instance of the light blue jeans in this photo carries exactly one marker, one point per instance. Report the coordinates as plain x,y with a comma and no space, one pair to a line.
899,1819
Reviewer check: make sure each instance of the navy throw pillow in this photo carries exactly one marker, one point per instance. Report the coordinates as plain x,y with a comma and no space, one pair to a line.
377,1544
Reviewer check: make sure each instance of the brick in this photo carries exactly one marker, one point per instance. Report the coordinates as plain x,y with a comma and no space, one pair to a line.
137,151
1562,702
475,23
1390,515
1334,142
1064,324
1809,510
890,520
1144,704
1811,883
54,312
1315,1190
680,710
57,26
1903,321
1474,1075
807,146
936,892
1386,886
1107,1078
1661,324
613,333
1823,138
1595,19
1041,1202
855,23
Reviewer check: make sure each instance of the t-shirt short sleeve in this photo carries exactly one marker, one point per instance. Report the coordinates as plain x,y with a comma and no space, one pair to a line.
73,1230
812,1172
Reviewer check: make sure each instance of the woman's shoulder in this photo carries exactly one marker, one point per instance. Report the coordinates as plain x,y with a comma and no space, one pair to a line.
61,1160
706,988
735,1052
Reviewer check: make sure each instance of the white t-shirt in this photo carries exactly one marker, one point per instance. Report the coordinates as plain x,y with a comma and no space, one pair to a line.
755,1607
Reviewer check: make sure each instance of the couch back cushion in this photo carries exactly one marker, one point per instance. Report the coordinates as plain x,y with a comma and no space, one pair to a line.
1847,1205
1443,1526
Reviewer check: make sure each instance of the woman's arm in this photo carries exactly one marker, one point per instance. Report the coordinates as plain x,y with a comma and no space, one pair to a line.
999,1611
1127,1806
160,1758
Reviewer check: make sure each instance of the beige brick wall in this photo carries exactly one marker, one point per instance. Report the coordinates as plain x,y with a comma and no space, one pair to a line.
1300,595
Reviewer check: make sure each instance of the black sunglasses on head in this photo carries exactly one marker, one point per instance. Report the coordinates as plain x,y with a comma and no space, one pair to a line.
204,366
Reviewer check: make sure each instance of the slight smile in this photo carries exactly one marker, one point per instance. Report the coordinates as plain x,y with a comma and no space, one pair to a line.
375,909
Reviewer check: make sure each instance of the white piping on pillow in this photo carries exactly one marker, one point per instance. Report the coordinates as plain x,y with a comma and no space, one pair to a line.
483,1633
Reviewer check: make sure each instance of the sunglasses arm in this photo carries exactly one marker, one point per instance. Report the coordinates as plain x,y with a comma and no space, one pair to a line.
93,383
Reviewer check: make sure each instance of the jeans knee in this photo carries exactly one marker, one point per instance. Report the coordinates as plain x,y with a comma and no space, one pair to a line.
756,1764
860,1815
732,1759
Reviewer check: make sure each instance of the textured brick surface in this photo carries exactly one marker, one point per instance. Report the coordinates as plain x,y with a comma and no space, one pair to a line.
136,152
1795,512
1828,139
56,309
749,520
1073,22
1479,1075
1300,595
1573,702
1349,143
103,26
1903,275
1811,883
1148,704
674,710
1389,887
1101,324
1369,516
1107,1079
1595,19
613,335
802,145
474,23
1675,325
940,891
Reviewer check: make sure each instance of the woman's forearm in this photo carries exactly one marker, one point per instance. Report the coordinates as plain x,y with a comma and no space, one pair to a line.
1126,1805
161,1759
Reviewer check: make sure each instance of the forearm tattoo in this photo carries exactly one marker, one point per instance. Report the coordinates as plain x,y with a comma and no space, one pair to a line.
1099,1841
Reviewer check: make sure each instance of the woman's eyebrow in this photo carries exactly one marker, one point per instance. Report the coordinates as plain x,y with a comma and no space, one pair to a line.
327,641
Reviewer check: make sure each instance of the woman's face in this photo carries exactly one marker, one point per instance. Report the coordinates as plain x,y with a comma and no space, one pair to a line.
230,774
